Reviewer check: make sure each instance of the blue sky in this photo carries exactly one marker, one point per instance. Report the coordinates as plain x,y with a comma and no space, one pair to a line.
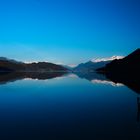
68,31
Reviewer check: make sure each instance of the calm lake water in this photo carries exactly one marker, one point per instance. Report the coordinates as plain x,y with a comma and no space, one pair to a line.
68,107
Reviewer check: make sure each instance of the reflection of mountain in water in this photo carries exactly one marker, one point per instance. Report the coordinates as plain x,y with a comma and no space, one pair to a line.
10,77
126,71
106,82
96,78
131,81
90,75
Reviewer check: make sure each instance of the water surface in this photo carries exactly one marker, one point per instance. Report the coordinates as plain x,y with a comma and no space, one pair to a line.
67,107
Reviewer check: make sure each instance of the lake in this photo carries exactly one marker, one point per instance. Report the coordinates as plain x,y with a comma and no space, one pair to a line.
67,107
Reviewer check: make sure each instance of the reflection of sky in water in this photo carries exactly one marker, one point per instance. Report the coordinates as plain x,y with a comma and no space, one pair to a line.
95,81
68,106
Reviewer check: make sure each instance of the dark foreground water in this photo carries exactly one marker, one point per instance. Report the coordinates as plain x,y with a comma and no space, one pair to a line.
68,107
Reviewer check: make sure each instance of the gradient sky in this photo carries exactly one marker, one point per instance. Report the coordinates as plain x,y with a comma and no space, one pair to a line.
68,31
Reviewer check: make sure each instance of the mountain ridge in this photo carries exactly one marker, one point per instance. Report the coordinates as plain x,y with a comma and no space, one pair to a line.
126,71
94,64
9,65
129,64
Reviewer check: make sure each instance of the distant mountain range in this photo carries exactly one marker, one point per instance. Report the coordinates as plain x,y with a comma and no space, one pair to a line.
115,65
8,65
92,65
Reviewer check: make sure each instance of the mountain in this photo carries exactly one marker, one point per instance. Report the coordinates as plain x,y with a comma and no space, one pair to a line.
89,66
129,64
126,71
7,65
94,64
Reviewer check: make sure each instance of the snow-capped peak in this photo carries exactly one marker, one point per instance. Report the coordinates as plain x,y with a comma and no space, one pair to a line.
107,58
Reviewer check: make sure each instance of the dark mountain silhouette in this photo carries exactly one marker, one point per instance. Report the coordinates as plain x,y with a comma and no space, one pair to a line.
44,66
126,71
128,65
7,65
